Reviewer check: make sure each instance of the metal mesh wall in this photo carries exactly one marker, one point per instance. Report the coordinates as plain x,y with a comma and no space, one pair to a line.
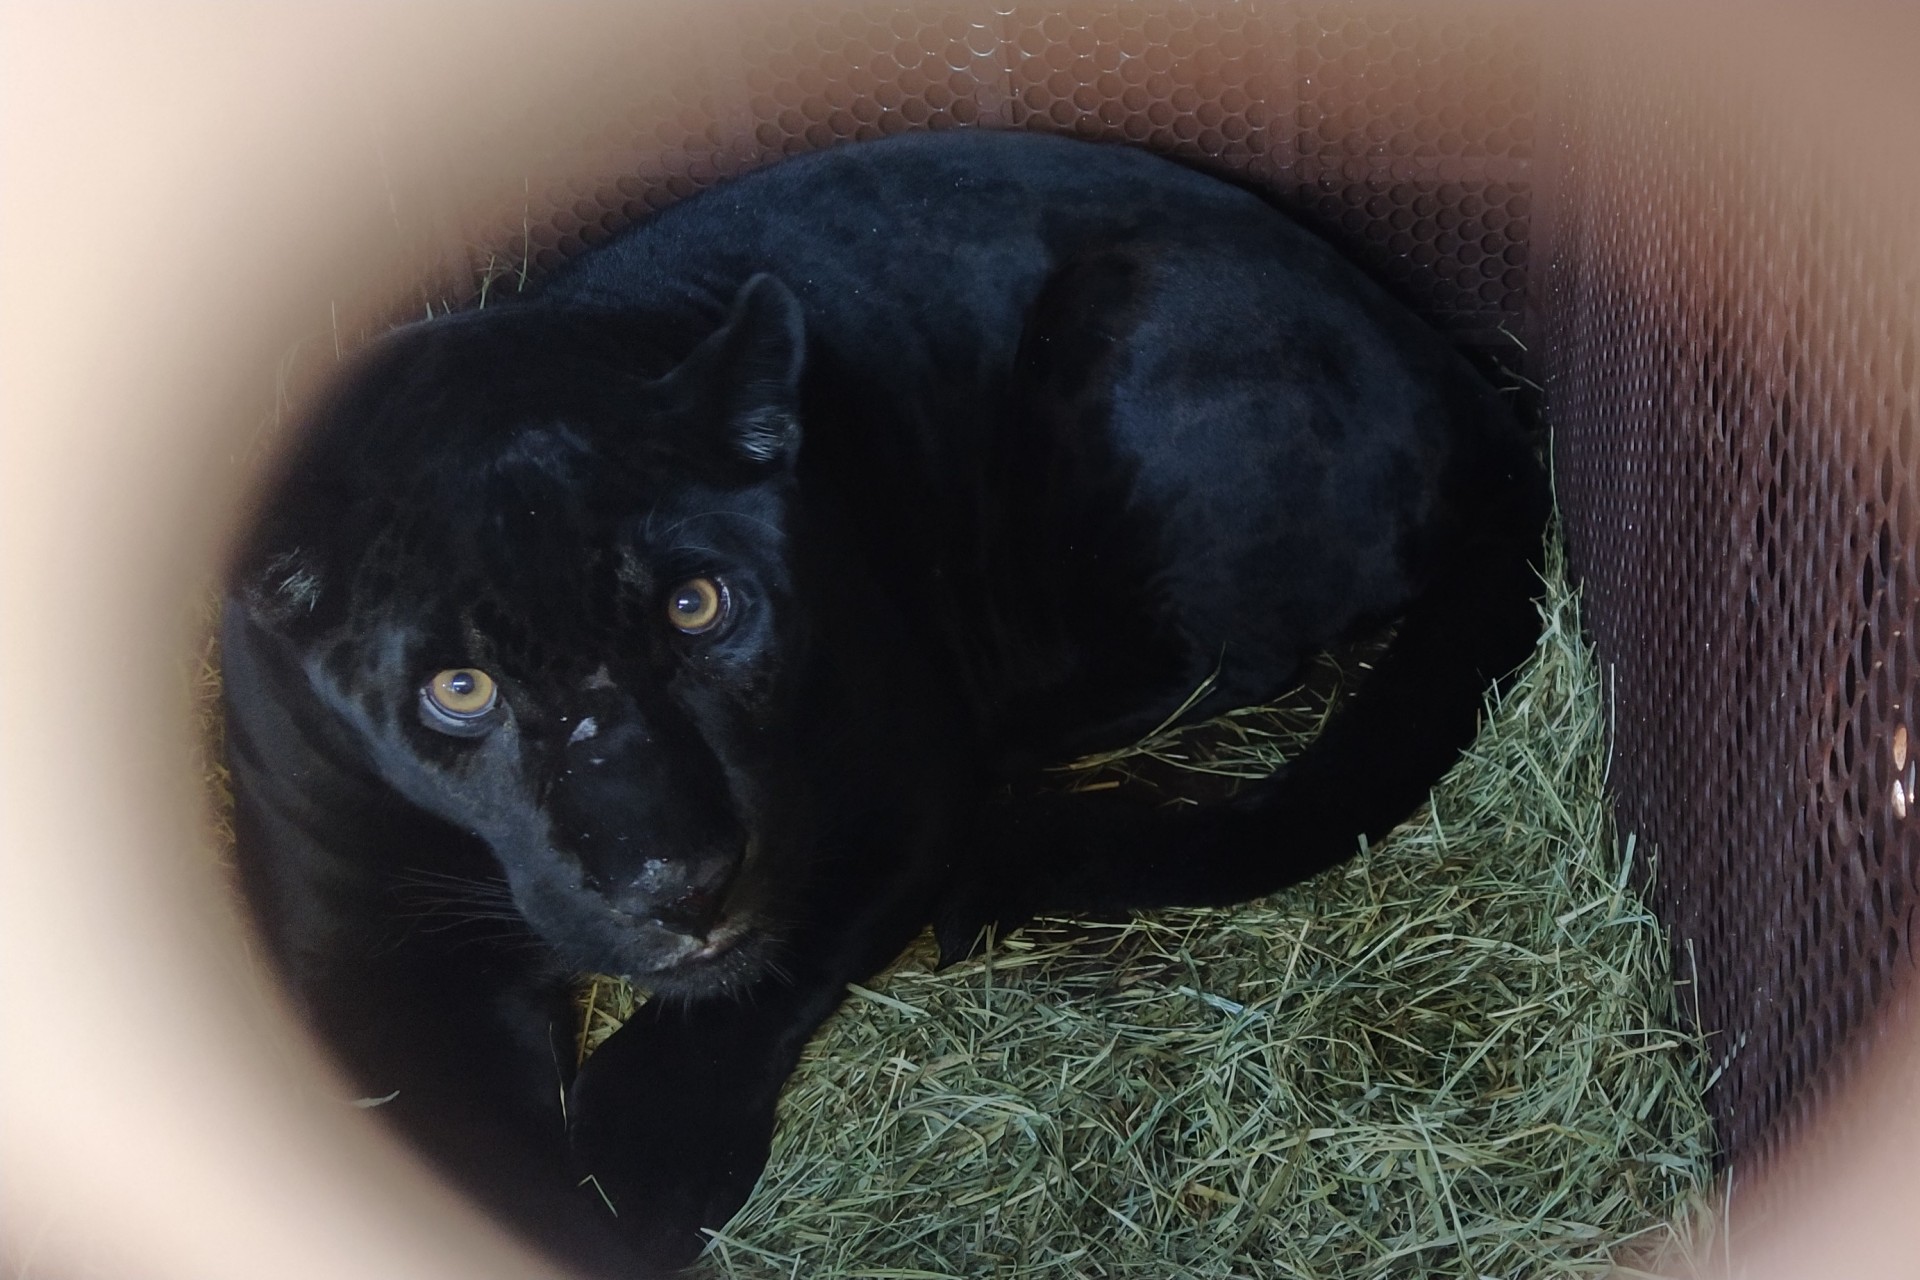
1730,347
1726,340
1405,136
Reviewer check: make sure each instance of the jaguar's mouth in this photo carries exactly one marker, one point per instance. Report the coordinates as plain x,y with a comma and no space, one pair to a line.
722,938
724,955
595,934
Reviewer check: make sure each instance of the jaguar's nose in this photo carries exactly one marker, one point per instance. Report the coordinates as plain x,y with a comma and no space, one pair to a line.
684,896
692,913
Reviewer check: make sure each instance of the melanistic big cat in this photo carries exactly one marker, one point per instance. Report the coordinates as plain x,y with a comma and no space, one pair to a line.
707,616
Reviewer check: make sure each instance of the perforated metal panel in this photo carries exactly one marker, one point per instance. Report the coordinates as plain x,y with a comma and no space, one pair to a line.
1404,136
1727,346
1731,357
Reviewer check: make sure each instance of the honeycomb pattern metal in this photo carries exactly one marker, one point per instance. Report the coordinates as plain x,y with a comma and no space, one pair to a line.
1405,138
1730,362
1733,366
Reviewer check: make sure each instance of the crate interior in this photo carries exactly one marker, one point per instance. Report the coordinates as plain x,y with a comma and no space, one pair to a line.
1703,294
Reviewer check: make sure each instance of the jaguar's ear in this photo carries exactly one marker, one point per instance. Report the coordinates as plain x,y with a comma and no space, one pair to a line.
282,590
748,373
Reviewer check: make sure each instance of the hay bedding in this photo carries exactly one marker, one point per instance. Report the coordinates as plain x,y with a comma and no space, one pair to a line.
1455,1056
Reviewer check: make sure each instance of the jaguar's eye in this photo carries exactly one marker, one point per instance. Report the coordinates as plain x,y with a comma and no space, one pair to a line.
465,693
697,605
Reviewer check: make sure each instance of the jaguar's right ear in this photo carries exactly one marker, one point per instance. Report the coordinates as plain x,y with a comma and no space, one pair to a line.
743,381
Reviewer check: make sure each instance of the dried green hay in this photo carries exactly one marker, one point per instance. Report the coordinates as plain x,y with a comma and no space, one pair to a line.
1457,1055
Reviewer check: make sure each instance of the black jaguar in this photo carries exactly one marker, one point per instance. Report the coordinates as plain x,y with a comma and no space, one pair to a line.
708,615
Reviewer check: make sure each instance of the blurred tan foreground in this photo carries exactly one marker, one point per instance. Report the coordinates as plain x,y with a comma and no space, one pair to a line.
186,192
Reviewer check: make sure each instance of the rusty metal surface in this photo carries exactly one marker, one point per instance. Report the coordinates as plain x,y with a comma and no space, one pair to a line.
1724,326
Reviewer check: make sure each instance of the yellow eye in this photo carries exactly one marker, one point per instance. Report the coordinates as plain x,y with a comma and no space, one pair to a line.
697,605
465,693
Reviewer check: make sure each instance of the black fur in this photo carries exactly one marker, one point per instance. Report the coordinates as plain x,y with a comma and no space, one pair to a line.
1000,445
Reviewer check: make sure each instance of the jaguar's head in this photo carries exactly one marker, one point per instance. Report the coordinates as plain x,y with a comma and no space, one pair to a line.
541,579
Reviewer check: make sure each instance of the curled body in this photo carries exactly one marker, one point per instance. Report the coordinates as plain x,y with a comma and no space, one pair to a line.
707,615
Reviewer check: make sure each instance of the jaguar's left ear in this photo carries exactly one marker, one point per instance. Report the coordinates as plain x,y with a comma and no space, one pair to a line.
748,373
284,591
